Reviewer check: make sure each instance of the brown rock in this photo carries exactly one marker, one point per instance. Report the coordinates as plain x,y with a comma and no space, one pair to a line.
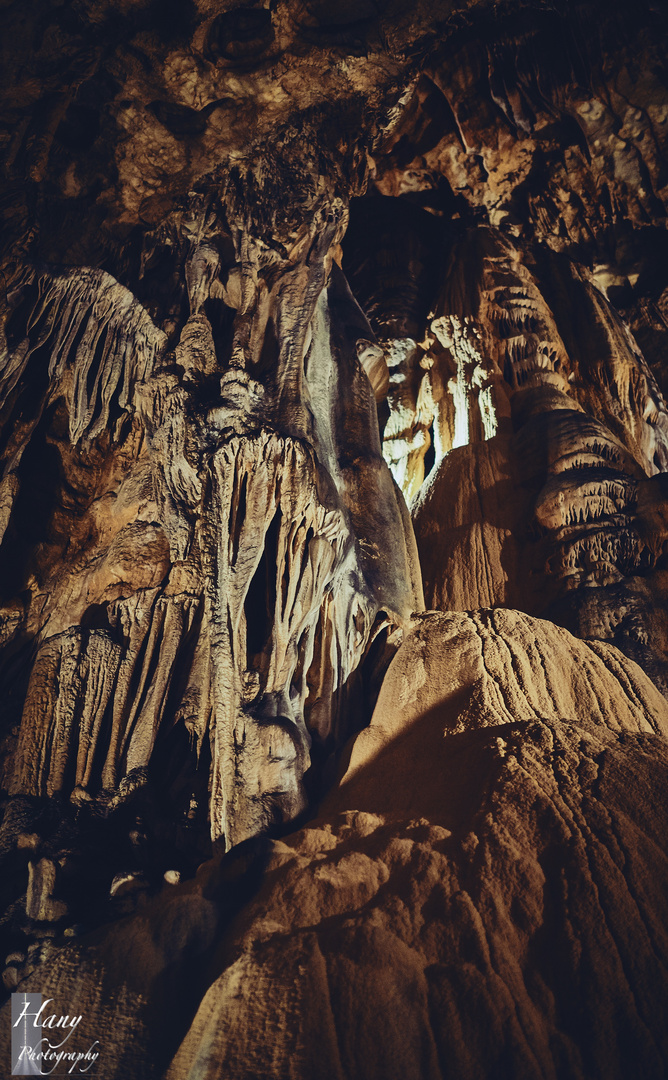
496,897
265,269
40,903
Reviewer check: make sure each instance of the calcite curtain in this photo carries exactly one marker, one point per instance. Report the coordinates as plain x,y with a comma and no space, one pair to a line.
333,523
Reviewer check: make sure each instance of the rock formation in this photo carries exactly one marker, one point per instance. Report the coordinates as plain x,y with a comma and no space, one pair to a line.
333,523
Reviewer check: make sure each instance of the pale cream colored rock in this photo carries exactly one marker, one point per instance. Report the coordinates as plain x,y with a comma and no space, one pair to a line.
40,904
125,883
245,529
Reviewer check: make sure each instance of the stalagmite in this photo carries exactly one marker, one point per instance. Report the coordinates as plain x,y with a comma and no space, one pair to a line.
333,537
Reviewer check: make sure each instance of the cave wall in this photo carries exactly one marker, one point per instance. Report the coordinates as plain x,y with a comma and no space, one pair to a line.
332,437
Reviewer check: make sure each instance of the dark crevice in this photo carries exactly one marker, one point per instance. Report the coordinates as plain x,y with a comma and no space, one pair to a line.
260,604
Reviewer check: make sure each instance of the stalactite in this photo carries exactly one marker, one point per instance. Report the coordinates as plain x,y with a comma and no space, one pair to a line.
268,525
93,331
262,495
315,312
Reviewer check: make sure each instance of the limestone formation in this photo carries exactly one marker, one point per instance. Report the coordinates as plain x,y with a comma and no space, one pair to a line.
333,535
483,892
249,530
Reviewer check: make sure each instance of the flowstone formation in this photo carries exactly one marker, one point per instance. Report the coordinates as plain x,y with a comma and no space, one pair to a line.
333,523
240,544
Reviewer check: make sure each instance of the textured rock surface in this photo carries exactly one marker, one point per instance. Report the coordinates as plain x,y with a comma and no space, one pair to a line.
312,312
483,892
235,530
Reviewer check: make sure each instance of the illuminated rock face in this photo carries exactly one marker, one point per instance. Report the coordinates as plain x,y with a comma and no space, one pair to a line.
493,862
244,543
316,316
534,472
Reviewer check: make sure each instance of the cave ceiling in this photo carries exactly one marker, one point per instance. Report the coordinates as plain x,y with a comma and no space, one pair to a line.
333,353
